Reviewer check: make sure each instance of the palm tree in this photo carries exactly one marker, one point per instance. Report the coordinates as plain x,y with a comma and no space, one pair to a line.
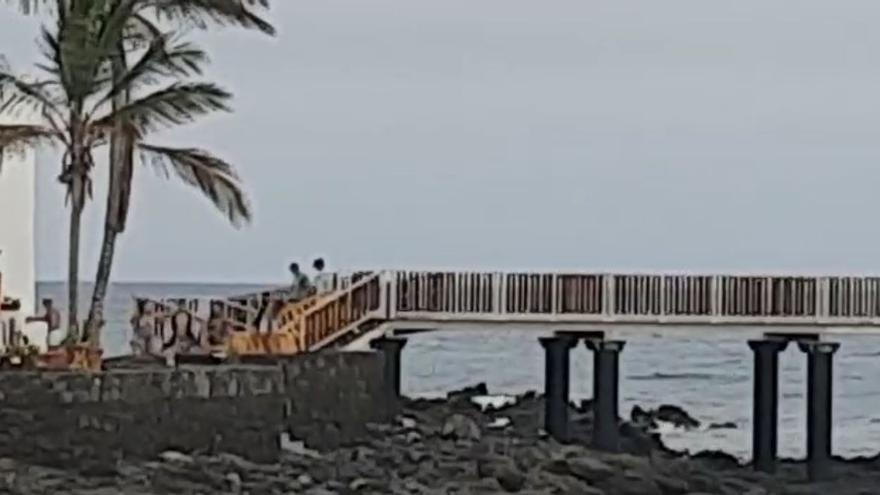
144,17
76,106
197,12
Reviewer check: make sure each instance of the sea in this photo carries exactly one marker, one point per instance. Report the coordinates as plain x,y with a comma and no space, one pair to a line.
708,374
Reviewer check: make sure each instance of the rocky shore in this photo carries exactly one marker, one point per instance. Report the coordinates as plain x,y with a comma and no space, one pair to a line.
453,446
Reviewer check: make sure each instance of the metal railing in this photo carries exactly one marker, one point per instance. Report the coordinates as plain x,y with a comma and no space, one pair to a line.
620,297
552,297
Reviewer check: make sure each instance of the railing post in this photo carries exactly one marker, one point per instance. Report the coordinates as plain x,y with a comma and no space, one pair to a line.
822,299
554,294
662,297
713,296
608,300
502,293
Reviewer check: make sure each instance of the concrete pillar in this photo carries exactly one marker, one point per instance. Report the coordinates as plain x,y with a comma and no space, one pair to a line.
557,351
391,348
606,385
819,402
765,402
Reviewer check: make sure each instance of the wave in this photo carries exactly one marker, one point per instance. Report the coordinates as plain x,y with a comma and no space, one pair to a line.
659,375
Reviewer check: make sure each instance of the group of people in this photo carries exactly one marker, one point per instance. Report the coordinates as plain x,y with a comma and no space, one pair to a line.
218,324
302,287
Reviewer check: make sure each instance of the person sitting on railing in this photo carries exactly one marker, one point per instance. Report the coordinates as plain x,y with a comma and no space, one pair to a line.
263,318
218,326
323,280
142,326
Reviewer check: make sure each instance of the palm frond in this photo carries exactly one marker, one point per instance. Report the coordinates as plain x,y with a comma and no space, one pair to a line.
158,62
214,177
18,138
221,12
168,107
17,95
29,7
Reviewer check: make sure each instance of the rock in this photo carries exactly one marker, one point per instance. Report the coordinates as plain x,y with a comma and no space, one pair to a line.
460,427
717,459
407,423
499,423
677,416
672,486
413,437
234,480
641,418
631,483
468,392
508,475
174,456
416,456
722,426
589,469
366,484
304,480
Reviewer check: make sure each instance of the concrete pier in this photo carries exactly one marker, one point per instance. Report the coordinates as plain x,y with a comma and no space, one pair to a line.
765,412
557,352
391,349
819,405
606,386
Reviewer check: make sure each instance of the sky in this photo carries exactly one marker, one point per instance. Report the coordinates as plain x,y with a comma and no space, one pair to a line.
516,134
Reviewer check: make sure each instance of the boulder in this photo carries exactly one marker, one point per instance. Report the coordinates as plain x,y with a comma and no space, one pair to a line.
460,427
677,416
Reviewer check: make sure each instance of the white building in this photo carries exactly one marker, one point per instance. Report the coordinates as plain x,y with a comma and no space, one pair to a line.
17,264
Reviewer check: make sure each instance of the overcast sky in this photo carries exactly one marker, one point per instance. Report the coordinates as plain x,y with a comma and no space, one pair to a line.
607,134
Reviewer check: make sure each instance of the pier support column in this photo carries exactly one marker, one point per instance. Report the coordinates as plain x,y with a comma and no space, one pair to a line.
606,385
765,405
391,348
819,403
557,352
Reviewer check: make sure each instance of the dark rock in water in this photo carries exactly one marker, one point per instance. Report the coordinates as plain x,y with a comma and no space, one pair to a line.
468,393
717,459
677,416
641,418
730,425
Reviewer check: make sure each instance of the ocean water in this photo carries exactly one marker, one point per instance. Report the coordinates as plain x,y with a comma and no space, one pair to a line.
709,375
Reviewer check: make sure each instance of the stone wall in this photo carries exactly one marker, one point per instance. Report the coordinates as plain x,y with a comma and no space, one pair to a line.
60,418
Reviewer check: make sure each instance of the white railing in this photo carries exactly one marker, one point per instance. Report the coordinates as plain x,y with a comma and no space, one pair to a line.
605,298
647,298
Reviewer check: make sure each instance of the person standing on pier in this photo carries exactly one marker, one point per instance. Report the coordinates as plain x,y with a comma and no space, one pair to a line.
323,280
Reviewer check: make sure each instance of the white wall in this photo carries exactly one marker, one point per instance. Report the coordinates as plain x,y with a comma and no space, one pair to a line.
17,264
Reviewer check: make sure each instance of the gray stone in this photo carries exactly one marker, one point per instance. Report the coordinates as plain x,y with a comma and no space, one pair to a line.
508,475
631,483
589,469
460,427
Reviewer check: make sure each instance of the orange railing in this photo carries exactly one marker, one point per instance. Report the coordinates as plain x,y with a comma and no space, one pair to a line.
334,316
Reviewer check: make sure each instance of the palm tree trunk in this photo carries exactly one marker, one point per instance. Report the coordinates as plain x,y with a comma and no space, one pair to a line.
118,194
95,320
76,209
